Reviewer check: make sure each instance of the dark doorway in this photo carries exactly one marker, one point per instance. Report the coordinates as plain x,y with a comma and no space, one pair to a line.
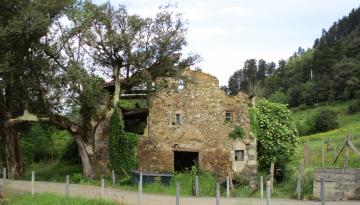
183,161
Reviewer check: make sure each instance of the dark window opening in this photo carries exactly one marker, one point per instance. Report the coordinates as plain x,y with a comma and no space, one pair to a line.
177,119
228,116
239,155
183,161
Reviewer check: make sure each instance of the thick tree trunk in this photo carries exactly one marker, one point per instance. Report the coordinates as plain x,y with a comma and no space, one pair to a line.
87,161
13,158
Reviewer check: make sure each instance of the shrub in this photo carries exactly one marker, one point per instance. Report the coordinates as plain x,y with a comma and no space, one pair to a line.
354,107
325,120
237,132
278,97
277,135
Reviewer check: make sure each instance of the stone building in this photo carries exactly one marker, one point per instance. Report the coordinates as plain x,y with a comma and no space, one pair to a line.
189,123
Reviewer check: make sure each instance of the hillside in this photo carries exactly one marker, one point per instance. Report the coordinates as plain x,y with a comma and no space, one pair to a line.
347,124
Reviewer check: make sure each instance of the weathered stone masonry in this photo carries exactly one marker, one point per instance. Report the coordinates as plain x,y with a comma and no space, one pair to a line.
192,118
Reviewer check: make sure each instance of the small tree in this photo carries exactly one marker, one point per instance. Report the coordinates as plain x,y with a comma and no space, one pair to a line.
277,135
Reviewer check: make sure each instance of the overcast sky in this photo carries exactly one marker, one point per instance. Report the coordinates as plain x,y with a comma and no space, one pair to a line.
227,32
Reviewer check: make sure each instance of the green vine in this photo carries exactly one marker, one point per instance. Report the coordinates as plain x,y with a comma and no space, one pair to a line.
122,145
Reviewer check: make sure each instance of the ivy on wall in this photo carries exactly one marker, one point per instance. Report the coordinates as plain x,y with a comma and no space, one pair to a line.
122,145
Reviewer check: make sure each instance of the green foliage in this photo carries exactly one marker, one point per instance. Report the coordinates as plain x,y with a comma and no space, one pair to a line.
132,103
237,132
325,120
53,172
44,142
354,107
278,97
122,145
277,135
47,199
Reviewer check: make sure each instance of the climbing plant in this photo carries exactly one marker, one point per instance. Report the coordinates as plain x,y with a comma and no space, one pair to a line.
122,145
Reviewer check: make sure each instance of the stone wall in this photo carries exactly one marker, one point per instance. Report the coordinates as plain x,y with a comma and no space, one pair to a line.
202,108
340,184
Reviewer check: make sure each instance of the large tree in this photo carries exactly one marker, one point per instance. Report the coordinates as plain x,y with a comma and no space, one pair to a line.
102,40
23,24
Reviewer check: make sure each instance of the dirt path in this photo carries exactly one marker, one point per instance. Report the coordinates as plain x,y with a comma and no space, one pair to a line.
130,198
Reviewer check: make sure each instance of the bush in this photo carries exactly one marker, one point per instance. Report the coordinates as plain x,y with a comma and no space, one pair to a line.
237,132
325,120
278,97
277,135
354,107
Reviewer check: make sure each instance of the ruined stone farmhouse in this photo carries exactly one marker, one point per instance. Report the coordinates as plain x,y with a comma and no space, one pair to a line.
189,123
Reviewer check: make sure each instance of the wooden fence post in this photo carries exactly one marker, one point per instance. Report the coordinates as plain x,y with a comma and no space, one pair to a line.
217,193
323,155
261,187
177,193
268,193
67,188
32,182
272,176
4,180
196,186
346,158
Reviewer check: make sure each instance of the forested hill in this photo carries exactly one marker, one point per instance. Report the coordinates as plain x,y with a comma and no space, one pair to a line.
329,71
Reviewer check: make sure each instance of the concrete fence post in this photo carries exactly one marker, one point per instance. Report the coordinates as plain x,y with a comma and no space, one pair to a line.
67,188
113,177
322,191
217,193
272,167
177,193
268,193
261,187
102,188
196,186
227,186
298,187
32,182
140,188
4,180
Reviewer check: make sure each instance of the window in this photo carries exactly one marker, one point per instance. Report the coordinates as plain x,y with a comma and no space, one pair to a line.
181,84
239,155
177,119
228,116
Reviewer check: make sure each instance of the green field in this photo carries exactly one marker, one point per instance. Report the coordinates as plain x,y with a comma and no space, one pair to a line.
51,199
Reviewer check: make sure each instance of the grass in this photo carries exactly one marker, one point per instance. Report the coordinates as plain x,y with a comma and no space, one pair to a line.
51,199
52,172
133,103
348,124
206,185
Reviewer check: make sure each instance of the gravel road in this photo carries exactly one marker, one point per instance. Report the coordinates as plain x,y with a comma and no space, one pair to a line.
130,198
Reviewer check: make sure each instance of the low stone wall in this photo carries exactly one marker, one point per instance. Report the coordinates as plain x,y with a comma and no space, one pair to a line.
340,184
